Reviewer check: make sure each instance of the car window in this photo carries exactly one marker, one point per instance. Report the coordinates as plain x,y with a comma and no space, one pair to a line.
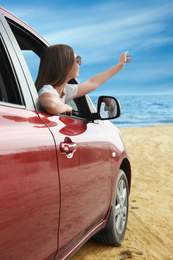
33,61
9,89
32,48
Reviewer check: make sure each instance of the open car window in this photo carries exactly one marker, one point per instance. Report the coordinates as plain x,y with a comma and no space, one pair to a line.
32,48
33,61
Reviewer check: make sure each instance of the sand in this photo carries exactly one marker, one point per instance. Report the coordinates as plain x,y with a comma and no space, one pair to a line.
149,233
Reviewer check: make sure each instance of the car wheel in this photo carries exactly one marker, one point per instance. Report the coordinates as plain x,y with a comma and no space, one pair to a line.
115,229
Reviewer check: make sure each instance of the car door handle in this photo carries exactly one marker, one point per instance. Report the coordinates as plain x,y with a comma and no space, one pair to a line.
68,149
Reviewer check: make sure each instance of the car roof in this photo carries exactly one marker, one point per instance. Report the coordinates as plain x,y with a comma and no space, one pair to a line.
17,20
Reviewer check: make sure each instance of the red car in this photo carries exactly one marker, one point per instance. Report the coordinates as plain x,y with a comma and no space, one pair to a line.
63,179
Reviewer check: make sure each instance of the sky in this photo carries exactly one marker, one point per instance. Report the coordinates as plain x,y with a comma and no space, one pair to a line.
99,31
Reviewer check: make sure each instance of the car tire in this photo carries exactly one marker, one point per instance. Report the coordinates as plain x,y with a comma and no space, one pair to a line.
115,228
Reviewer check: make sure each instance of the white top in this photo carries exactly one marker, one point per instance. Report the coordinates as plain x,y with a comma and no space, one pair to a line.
70,91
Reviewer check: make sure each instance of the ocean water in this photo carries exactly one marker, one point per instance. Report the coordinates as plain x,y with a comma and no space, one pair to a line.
143,110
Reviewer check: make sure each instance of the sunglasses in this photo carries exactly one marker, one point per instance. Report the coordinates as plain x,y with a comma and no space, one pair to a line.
78,60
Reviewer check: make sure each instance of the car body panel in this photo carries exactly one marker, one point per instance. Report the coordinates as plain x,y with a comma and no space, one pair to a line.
29,186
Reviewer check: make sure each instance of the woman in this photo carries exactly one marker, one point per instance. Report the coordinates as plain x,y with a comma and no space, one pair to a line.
58,65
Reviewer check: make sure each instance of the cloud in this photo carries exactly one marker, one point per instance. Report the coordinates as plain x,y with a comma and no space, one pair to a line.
140,29
123,25
99,32
155,72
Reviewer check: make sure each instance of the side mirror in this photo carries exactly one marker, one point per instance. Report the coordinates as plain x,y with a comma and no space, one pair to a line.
107,108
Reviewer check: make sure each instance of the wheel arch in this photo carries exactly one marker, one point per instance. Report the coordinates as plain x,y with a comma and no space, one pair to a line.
125,166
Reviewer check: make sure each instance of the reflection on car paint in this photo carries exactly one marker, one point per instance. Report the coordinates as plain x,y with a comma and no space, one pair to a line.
33,120
73,127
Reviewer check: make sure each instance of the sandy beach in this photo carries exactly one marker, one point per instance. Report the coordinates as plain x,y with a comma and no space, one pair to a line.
149,232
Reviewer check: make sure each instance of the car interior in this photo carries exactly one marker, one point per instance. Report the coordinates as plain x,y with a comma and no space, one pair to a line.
9,95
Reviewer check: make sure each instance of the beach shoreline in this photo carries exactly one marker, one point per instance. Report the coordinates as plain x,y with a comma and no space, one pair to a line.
149,233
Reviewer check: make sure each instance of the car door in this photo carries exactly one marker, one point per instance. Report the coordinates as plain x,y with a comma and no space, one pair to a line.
29,182
85,177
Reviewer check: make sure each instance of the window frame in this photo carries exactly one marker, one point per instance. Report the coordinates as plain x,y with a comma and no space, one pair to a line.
13,93
35,44
16,65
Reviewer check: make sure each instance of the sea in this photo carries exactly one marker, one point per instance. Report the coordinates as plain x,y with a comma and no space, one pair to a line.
143,110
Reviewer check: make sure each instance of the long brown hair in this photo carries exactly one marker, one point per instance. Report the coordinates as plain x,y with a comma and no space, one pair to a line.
55,65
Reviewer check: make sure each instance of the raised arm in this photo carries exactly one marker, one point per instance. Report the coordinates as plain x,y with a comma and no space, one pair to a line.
53,105
98,80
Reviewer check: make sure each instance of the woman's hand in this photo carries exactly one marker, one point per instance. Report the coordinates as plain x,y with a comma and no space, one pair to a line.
123,58
69,110
99,79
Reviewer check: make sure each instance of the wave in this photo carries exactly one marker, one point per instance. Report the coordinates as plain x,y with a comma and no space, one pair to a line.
143,110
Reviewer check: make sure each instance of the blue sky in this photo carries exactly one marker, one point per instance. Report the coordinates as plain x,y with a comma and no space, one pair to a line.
101,30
